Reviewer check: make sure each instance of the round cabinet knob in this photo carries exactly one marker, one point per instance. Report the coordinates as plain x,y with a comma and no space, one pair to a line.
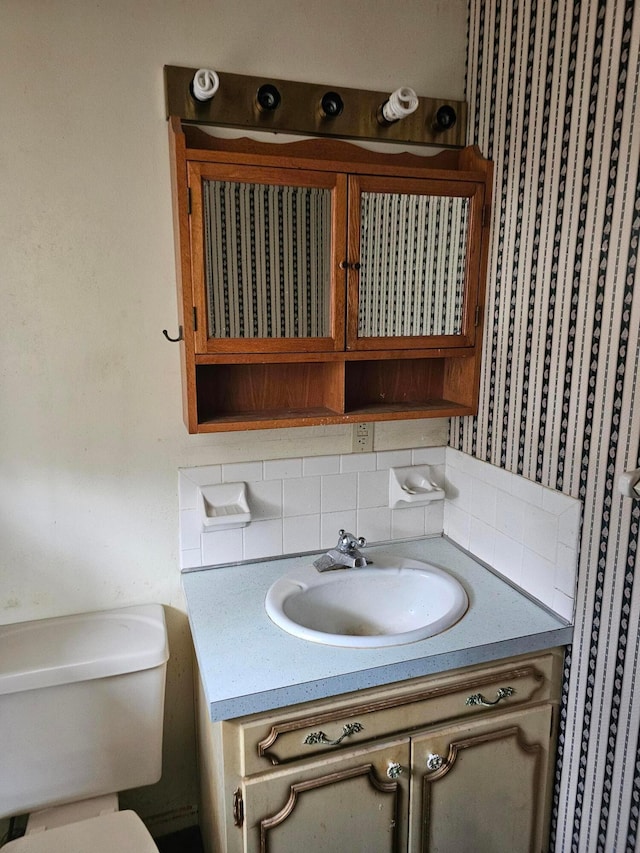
434,761
394,770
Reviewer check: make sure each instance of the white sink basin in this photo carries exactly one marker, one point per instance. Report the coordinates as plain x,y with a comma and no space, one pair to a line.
382,605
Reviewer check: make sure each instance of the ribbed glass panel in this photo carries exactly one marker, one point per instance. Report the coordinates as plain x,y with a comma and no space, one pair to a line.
267,260
413,261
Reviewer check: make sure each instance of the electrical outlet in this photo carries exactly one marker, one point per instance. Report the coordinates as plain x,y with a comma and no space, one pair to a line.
362,439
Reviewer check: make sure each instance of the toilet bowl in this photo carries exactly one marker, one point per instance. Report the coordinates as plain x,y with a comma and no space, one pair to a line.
81,706
118,832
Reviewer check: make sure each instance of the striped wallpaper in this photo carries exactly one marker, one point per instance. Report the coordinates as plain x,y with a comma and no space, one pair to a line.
413,285
553,95
267,260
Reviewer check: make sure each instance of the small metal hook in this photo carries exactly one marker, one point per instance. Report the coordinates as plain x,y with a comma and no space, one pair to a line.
174,340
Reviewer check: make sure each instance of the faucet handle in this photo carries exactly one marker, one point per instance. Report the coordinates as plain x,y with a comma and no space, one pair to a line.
348,542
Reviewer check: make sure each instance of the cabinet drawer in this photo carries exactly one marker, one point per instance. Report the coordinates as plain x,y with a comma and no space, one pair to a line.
309,730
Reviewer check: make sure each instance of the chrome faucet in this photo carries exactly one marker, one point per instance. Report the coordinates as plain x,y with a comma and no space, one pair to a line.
345,555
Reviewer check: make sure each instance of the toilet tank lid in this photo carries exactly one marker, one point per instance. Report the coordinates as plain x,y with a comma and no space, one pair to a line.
65,649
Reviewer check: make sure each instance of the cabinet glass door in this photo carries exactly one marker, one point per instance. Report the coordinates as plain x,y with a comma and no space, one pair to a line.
413,262
266,249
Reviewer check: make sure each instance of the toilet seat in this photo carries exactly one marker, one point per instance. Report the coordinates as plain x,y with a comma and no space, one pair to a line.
118,832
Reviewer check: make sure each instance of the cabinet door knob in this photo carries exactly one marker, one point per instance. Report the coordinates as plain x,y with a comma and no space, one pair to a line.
394,770
345,265
434,761
478,698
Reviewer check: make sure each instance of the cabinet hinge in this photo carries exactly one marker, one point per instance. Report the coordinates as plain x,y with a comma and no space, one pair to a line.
195,319
486,215
189,201
238,807
477,318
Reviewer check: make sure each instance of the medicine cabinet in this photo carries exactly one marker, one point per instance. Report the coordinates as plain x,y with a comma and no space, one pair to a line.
320,282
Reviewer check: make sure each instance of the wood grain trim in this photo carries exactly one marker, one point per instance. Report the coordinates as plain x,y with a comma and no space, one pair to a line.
336,156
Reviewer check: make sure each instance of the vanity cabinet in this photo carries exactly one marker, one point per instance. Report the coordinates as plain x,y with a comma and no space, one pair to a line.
320,282
448,762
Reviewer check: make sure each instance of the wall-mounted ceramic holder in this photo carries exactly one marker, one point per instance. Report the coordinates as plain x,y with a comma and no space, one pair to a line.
413,486
224,506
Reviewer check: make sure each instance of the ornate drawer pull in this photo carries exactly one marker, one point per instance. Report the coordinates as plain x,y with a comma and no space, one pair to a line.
434,761
394,770
478,698
320,737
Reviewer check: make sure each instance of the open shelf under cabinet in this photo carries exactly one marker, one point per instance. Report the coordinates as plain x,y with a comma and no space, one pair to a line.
259,395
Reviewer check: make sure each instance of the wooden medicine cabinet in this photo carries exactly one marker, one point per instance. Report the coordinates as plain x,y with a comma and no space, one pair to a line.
321,282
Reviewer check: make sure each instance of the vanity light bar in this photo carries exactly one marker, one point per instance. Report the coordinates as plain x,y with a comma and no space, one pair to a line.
287,106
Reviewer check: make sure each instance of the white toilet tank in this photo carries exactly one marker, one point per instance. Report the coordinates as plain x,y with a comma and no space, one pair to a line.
81,706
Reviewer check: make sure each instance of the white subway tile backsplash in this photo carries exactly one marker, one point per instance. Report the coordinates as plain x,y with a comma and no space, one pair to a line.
190,529
222,546
566,561
265,499
358,462
407,523
331,522
282,469
314,465
482,540
434,518
533,539
301,496
483,501
540,532
393,459
187,492
510,515
301,533
556,502
538,577
457,524
374,524
439,474
569,526
458,488
494,476
191,559
205,475
563,605
527,490
241,472
524,531
428,456
507,557
262,539
373,489
339,491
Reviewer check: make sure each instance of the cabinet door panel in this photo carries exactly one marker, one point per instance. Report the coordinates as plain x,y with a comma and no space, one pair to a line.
414,262
266,249
334,806
488,795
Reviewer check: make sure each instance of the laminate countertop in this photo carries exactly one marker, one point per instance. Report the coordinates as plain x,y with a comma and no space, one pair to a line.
247,664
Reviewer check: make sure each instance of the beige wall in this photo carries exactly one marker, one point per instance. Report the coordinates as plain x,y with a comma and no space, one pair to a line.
91,435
